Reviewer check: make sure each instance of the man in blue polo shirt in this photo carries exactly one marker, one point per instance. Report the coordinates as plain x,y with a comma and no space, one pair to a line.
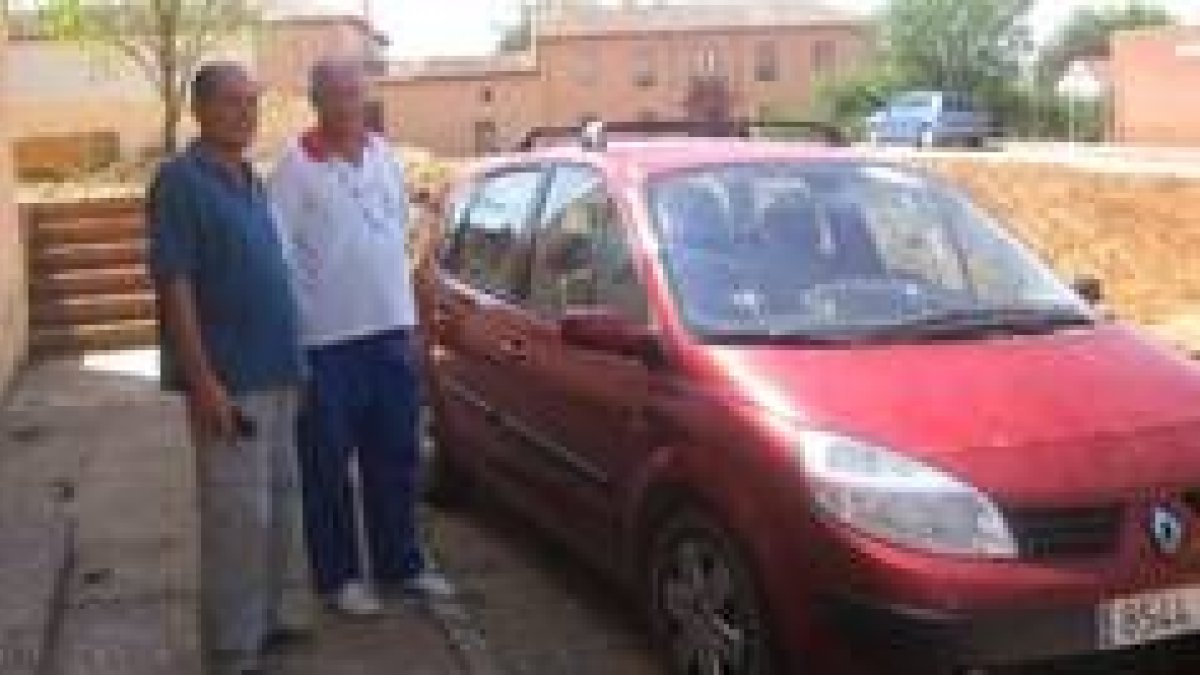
231,346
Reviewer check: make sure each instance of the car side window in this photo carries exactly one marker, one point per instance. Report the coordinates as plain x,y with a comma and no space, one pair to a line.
492,246
582,256
451,223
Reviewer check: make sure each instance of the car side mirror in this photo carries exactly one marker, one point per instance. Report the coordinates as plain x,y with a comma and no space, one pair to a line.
1090,289
604,330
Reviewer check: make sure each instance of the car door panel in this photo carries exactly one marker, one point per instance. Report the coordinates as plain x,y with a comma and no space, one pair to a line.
485,275
582,411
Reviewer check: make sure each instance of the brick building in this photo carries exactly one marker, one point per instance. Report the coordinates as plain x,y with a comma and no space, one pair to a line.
1156,86
628,62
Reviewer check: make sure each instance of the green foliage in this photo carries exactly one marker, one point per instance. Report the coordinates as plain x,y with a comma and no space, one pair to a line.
957,45
518,37
975,47
847,101
970,46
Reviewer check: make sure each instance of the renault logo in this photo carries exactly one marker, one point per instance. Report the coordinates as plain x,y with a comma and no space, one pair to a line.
1167,530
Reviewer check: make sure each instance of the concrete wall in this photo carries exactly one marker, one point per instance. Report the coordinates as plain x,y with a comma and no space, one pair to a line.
441,113
13,310
1156,86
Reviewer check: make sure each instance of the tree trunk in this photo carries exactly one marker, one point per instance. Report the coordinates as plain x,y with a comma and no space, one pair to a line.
170,129
169,87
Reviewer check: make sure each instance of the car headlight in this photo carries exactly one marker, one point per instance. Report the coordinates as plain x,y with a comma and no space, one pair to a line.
900,500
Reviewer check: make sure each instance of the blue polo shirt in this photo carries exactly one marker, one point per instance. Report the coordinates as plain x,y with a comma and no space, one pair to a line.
220,234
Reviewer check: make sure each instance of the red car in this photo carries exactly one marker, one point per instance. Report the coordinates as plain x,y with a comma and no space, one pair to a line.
818,412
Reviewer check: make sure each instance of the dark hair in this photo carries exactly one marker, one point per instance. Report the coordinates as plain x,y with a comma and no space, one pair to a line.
210,77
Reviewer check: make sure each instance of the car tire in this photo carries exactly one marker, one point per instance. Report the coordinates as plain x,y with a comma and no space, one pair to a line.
703,601
443,482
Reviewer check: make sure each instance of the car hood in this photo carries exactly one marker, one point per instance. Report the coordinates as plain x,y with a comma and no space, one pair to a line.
1071,415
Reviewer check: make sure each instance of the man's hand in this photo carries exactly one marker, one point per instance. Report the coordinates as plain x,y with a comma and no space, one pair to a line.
211,412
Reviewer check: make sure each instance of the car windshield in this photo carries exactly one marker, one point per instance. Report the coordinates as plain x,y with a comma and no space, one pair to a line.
845,251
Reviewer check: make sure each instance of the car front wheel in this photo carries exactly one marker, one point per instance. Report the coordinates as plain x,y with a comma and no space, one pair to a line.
704,603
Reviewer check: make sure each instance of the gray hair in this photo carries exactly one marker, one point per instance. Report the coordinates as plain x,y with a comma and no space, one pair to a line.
327,71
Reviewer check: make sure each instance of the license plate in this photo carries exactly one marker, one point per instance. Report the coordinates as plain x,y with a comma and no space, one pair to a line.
1151,617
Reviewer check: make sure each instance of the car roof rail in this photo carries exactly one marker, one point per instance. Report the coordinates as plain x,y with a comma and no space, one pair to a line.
594,134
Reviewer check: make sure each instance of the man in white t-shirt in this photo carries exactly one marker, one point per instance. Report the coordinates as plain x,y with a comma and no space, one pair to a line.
340,197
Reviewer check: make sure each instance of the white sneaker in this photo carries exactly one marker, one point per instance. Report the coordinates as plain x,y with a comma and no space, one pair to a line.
430,585
355,599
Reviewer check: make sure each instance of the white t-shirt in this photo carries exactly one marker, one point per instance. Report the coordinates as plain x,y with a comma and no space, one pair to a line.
344,228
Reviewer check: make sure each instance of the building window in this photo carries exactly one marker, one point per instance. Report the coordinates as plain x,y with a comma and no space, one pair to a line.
485,137
643,67
766,62
708,61
587,68
824,57
487,95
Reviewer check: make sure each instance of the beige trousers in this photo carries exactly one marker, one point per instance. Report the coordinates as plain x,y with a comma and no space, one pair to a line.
252,562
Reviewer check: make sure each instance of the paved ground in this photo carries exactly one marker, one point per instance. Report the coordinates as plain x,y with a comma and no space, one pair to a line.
97,539
98,446
539,611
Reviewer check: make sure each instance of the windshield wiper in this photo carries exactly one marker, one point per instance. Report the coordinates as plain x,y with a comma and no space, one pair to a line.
956,323
1016,320
797,338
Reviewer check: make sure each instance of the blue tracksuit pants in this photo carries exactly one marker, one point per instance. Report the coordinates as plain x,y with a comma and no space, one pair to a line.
363,402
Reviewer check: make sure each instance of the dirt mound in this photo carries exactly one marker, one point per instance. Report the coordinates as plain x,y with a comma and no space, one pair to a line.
1140,234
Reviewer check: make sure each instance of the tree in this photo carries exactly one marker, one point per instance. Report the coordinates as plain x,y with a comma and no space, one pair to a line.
958,45
846,101
166,40
518,37
1088,34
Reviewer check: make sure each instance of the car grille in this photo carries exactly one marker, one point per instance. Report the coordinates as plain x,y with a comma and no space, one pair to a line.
1066,533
